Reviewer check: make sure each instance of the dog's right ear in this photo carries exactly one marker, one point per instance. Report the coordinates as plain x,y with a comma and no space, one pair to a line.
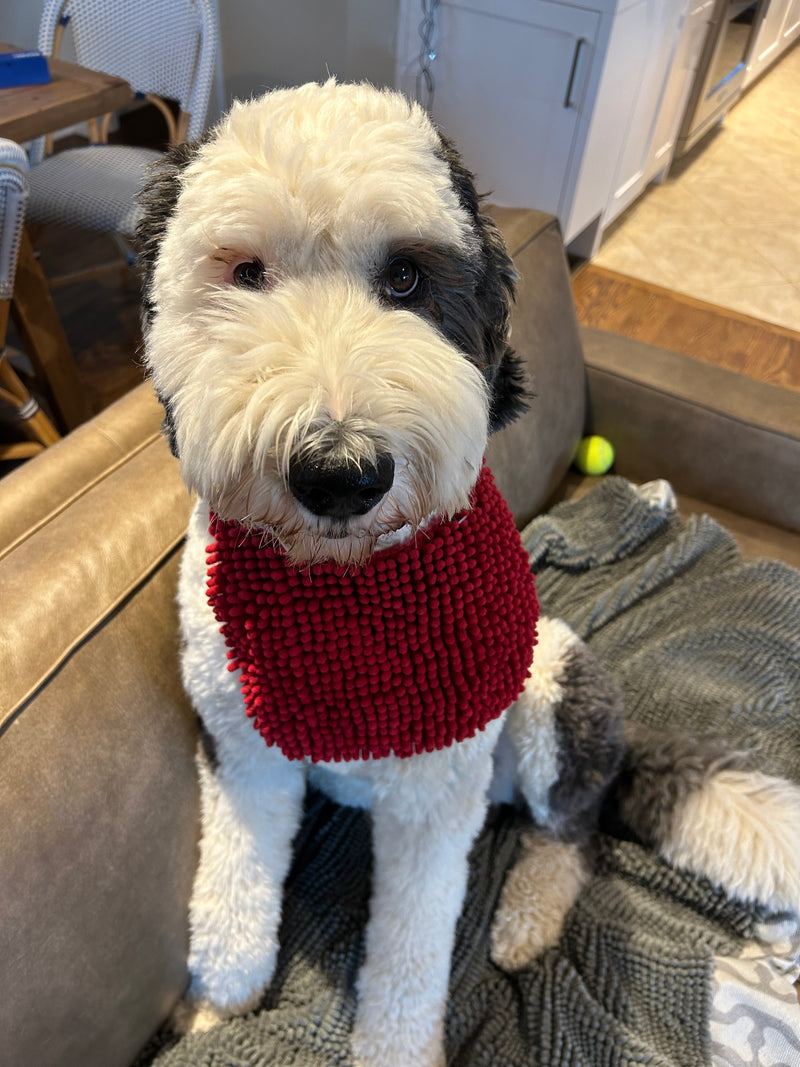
158,198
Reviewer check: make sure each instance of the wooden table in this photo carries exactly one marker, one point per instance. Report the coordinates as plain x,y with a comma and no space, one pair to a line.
75,94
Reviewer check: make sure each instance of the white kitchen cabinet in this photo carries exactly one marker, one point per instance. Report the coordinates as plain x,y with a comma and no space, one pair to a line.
779,30
680,78
645,58
512,80
552,104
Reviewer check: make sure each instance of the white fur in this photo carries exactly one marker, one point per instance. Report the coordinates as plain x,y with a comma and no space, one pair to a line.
658,495
544,882
538,892
530,723
253,376
426,813
742,831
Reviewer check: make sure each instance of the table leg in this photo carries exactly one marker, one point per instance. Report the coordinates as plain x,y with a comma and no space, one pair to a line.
45,342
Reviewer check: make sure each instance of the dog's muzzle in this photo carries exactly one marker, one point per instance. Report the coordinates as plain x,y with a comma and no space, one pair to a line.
341,490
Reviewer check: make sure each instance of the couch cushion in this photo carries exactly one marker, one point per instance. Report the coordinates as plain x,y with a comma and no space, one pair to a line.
62,579
530,456
715,435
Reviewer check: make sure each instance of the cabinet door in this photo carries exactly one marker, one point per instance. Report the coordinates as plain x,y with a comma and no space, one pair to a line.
791,25
645,39
769,43
682,72
510,79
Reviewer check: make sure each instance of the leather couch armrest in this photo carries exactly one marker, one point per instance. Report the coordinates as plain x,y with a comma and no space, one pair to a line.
35,492
715,435
98,797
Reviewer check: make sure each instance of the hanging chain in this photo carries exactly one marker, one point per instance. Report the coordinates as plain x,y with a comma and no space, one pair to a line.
427,54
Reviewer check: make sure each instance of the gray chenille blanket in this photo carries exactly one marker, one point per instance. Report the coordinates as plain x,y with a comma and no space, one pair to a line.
695,635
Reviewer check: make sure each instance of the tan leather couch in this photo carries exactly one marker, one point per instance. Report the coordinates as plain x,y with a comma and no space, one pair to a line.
98,803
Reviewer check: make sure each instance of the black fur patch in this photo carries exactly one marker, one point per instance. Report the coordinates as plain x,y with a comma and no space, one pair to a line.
209,745
445,296
491,303
661,769
591,744
158,199
168,427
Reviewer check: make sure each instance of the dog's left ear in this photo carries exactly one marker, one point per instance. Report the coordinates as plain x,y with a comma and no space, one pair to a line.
494,295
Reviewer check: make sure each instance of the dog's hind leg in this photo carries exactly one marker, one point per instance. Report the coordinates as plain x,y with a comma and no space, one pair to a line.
705,808
566,730
426,813
538,892
251,800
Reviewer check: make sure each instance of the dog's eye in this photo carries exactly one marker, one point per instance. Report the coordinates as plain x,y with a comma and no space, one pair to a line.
401,276
248,274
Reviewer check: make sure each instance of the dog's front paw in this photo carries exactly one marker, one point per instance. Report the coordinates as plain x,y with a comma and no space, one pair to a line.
398,1022
394,1046
197,1016
538,892
190,1018
231,962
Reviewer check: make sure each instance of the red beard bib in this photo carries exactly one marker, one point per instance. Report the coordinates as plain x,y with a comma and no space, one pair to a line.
423,646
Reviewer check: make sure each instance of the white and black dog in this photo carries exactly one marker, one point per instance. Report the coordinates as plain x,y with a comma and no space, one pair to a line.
326,318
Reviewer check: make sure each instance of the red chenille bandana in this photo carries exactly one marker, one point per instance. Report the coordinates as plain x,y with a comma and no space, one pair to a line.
421,647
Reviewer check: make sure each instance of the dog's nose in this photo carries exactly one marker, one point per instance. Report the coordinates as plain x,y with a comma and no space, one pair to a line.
341,490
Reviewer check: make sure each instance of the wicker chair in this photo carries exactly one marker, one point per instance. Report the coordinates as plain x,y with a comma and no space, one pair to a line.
37,428
166,50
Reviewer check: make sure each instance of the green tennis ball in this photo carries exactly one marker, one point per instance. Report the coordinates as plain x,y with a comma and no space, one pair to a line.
595,455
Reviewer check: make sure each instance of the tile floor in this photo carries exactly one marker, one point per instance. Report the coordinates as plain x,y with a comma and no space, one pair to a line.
725,226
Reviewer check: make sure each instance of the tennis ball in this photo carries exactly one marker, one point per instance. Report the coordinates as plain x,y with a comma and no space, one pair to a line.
595,455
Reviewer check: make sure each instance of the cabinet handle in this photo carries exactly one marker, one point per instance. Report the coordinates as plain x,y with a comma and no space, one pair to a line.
576,58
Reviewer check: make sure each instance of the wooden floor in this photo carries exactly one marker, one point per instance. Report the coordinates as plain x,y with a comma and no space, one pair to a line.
637,309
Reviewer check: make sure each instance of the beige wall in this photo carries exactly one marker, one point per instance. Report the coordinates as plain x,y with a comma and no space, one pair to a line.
266,43
19,22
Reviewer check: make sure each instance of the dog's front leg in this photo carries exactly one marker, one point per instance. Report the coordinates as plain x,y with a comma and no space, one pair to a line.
251,801
251,805
424,823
